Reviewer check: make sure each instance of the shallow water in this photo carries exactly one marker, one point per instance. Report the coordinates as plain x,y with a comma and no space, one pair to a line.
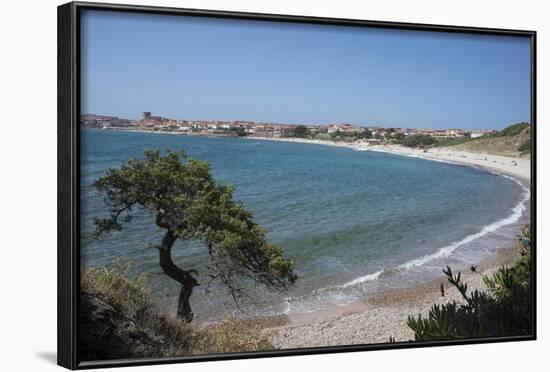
355,222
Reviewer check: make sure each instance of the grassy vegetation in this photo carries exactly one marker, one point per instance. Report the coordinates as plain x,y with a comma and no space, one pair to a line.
512,130
230,336
525,147
410,141
418,141
452,141
504,309
120,318
345,136
511,141
113,282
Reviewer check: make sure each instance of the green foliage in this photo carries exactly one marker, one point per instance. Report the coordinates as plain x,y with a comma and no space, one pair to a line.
300,131
452,141
525,147
398,136
334,136
511,130
513,285
348,136
418,140
505,309
365,134
186,201
322,137
241,132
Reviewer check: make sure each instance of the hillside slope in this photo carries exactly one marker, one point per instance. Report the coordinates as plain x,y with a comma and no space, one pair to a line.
120,318
515,145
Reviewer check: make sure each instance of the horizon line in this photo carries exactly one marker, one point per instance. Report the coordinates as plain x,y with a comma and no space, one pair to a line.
305,124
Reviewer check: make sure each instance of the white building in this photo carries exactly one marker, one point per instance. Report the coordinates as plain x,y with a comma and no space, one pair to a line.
333,128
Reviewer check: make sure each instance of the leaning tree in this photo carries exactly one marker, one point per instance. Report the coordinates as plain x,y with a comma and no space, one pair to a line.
187,203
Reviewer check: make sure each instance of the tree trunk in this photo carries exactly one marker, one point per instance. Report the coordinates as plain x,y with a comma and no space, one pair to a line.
181,276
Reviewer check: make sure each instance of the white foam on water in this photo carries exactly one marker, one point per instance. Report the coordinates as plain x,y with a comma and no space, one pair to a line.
516,214
513,217
288,307
362,279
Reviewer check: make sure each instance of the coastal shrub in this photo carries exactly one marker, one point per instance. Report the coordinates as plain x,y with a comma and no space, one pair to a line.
322,136
230,336
397,137
300,131
365,134
120,318
113,281
504,309
347,136
511,130
525,147
334,136
452,141
418,140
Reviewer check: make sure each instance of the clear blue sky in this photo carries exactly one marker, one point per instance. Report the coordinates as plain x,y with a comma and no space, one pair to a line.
189,68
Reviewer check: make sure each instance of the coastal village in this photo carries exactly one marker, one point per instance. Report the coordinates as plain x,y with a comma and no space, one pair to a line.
234,128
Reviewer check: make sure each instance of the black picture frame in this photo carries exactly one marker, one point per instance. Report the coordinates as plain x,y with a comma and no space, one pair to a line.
69,178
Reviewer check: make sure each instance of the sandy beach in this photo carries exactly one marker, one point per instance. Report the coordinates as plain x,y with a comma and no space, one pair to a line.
376,319
513,166
517,167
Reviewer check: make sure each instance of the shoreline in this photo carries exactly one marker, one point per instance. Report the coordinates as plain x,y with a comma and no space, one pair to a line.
493,163
374,320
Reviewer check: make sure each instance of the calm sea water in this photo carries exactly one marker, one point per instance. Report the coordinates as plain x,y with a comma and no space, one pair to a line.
355,222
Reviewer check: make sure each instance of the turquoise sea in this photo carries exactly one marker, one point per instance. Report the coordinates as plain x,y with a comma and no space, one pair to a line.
355,222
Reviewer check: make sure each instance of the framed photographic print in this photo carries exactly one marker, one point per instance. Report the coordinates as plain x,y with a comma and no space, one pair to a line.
235,185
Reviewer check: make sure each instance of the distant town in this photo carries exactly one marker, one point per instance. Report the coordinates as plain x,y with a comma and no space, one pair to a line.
242,128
